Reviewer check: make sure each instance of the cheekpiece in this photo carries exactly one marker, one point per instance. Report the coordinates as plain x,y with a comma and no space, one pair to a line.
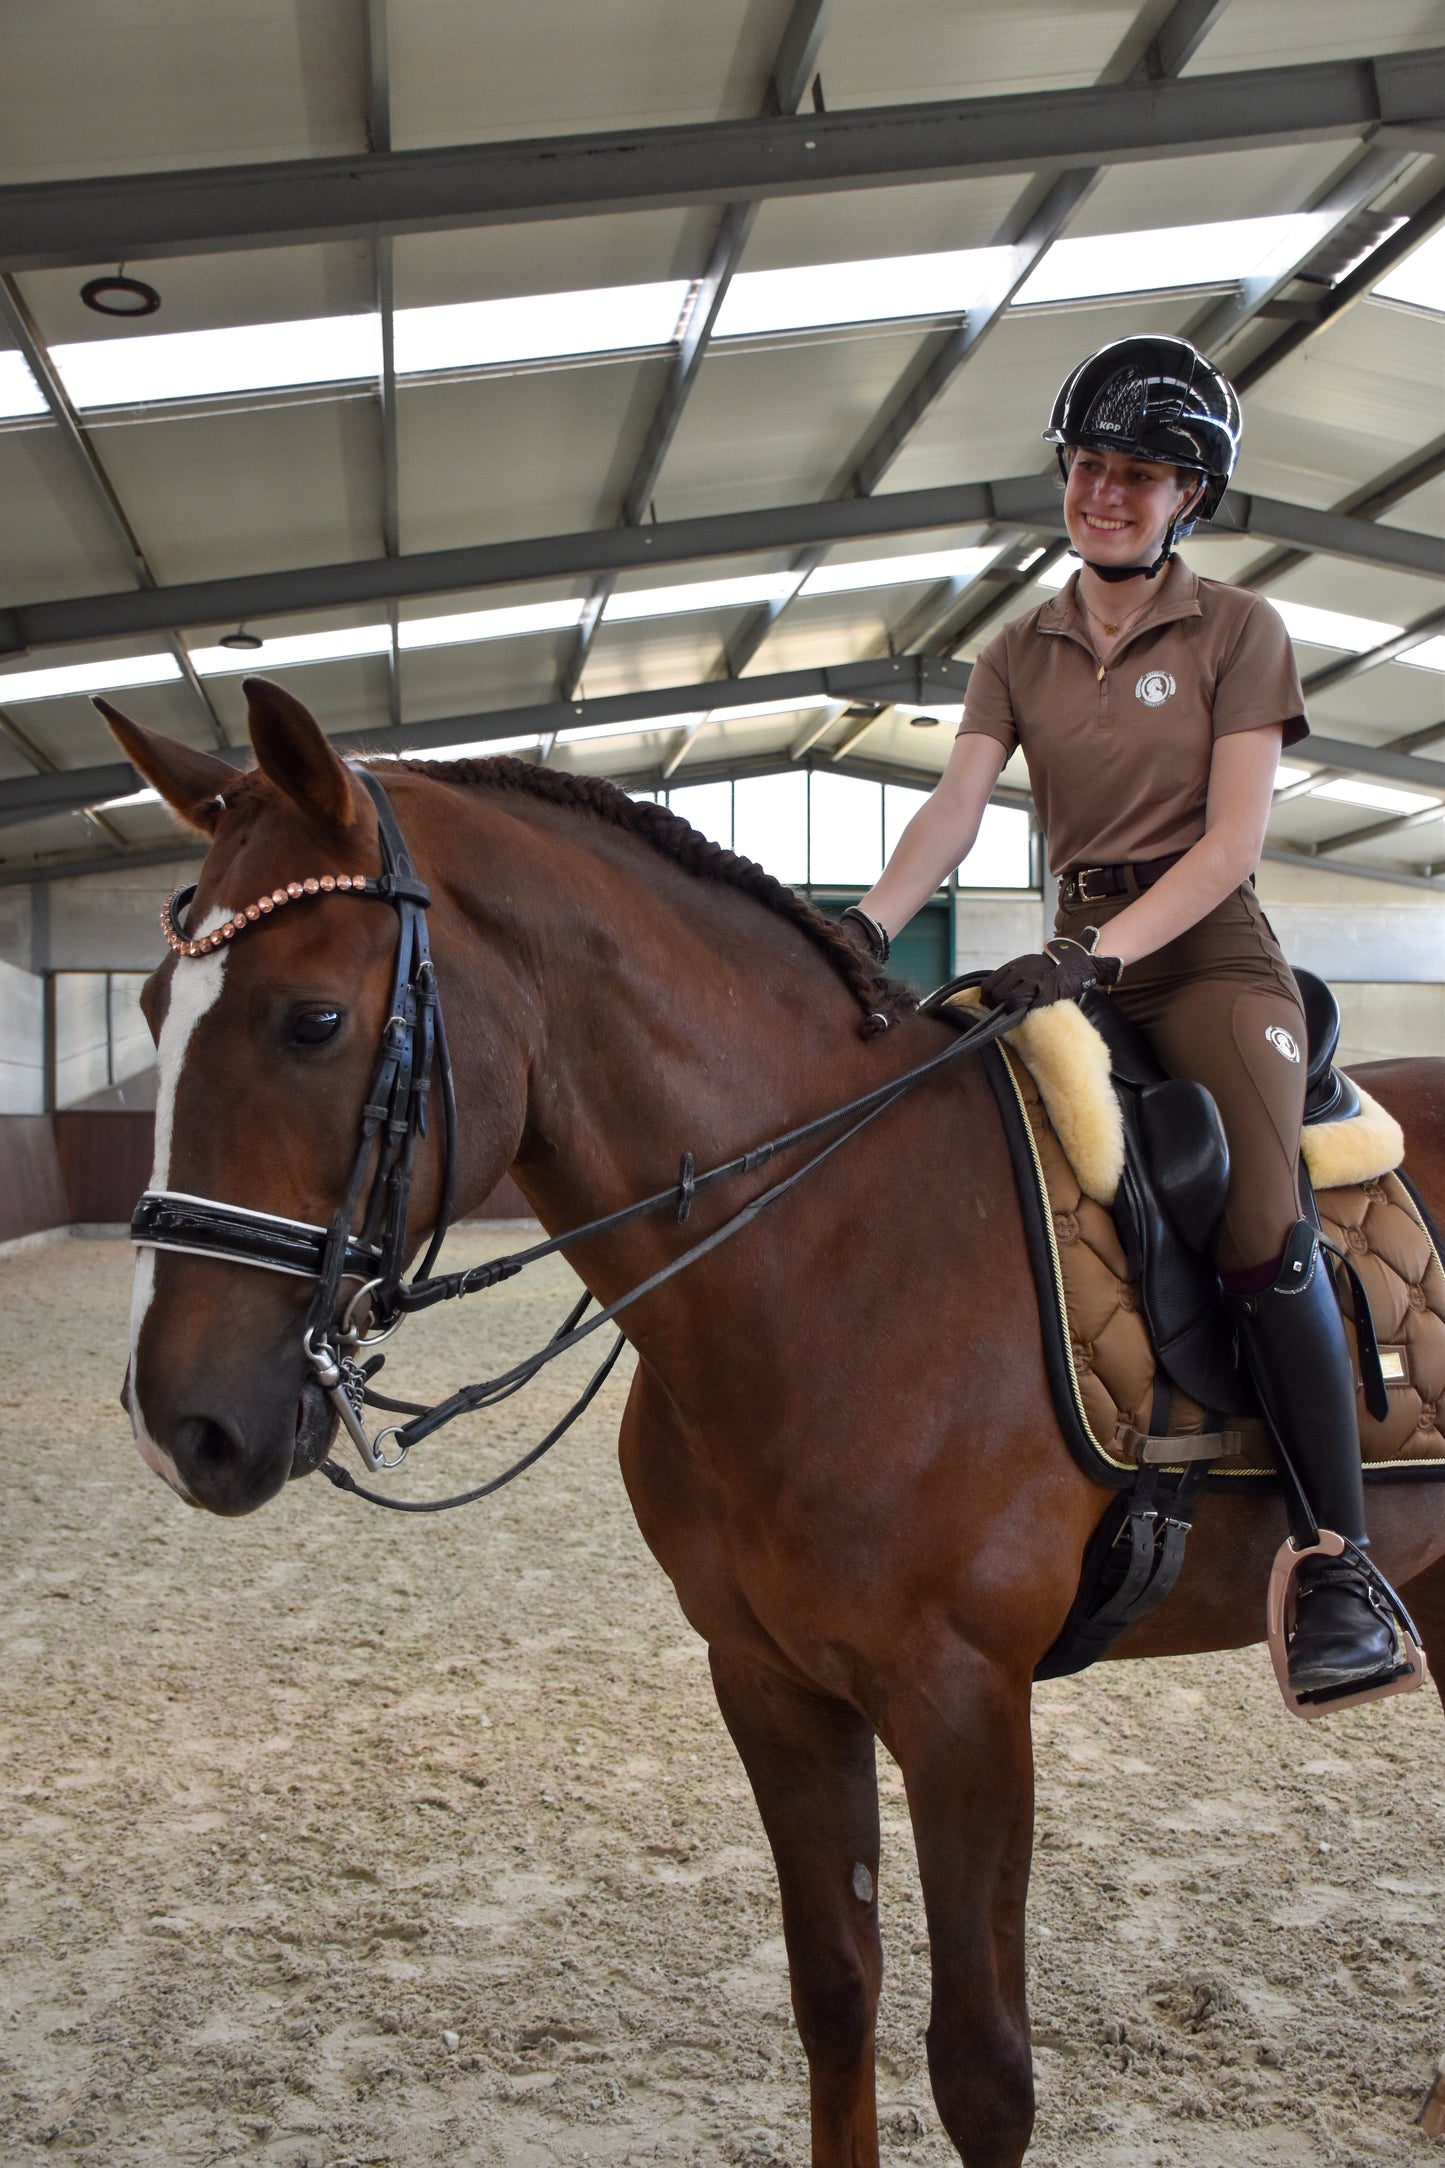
315,884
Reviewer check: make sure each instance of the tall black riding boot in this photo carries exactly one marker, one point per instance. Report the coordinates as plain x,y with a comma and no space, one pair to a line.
1294,1341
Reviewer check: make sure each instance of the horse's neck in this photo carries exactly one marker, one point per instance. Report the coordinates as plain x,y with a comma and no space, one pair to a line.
676,1014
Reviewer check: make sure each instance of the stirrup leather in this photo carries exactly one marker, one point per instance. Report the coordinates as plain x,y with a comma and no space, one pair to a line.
1280,1603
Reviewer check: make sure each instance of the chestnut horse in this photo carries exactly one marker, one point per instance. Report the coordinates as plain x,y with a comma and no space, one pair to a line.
840,1443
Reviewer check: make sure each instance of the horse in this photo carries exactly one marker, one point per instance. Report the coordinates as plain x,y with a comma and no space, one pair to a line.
839,1444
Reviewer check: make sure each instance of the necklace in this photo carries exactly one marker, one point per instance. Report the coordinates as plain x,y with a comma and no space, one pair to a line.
1103,622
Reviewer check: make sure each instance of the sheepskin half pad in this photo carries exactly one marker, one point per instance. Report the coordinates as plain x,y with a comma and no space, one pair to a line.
1113,1362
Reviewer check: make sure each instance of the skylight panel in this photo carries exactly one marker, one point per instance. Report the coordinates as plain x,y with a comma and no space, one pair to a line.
19,392
1333,628
480,749
1380,797
1289,771
805,297
637,727
1420,279
469,625
962,564
206,364
538,327
113,676
146,796
1163,258
700,595
1057,574
1429,655
300,648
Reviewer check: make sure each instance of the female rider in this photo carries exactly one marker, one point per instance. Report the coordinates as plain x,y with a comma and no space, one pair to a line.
1151,706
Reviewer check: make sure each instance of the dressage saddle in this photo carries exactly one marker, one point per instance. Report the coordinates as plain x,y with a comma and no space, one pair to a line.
1171,1194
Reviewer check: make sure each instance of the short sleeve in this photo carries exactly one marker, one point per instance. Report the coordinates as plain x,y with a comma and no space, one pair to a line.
988,707
1258,679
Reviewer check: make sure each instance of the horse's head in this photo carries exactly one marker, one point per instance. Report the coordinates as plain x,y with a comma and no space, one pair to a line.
266,1046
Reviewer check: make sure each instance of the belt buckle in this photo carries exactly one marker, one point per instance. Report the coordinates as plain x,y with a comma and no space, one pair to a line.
1081,885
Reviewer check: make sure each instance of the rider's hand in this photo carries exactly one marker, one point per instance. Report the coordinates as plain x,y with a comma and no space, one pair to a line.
864,933
1065,970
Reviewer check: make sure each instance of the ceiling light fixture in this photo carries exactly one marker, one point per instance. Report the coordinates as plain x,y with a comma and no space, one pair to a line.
241,639
923,722
119,296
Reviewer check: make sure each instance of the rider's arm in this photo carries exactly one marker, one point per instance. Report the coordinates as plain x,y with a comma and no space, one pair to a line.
1241,785
941,833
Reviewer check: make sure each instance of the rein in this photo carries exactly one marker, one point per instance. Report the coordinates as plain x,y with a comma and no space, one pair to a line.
395,1115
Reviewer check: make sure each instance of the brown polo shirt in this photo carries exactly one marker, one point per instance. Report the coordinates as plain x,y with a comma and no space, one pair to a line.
1118,754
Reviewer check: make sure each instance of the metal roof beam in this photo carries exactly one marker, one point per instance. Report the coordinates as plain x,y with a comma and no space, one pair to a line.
116,216
792,72
915,679
1368,502
1032,500
87,461
1395,246
923,385
378,139
1349,666
1344,757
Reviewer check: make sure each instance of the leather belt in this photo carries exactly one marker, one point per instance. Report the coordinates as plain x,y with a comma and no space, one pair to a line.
1084,885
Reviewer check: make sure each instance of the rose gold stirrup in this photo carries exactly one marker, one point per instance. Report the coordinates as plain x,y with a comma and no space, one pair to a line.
1279,1625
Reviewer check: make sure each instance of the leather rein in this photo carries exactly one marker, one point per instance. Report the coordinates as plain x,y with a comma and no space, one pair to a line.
395,1116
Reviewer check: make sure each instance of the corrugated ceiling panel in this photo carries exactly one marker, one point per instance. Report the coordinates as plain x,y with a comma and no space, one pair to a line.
573,255
869,222
936,49
775,426
217,493
135,89
464,74
508,456
1347,406
1195,191
1275,33
54,539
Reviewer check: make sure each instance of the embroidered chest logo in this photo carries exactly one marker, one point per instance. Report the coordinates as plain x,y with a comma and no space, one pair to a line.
1283,1042
1154,688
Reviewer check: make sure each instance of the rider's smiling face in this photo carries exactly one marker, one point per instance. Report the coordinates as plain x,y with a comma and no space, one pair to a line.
1117,506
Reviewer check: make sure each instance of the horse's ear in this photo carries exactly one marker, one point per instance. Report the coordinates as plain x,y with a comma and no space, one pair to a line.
191,783
295,752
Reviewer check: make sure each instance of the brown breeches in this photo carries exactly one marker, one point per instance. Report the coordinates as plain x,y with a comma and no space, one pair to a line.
1220,1005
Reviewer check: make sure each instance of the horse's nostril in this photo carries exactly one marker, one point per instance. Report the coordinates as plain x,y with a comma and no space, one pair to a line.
209,1444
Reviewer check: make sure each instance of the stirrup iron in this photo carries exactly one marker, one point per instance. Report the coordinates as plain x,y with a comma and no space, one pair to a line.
1413,1669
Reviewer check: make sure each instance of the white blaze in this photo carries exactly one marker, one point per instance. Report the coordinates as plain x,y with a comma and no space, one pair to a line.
195,988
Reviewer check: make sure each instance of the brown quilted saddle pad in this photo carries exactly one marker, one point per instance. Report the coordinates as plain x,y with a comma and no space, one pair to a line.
1376,1223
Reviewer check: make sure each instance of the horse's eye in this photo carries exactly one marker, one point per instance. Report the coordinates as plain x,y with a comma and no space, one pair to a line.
313,1027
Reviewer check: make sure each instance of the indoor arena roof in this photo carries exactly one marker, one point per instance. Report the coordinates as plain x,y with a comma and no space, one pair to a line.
656,389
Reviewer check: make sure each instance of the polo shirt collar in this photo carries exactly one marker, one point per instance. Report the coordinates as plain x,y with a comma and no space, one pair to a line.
1177,596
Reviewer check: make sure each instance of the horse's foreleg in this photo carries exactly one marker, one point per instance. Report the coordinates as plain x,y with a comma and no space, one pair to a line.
810,1762
961,1738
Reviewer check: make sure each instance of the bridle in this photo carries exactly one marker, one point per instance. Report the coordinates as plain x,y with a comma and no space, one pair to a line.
395,1117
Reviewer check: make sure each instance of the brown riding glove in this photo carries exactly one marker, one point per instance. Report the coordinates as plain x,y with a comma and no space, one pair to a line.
1065,970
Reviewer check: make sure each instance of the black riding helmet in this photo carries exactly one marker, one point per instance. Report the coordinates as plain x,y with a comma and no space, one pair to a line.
1160,398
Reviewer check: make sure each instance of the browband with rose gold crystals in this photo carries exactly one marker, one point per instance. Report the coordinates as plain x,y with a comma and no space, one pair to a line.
316,884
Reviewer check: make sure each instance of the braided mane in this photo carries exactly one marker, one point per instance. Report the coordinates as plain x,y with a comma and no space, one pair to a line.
880,999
